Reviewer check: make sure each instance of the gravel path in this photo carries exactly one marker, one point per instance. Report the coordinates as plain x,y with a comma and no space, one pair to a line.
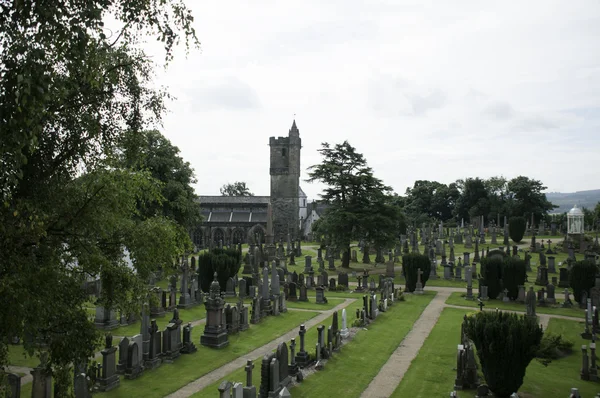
390,375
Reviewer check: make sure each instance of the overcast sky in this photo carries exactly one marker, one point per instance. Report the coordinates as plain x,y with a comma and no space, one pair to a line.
425,90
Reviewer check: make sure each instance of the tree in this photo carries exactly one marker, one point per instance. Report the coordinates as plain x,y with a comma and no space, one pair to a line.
505,344
68,94
582,277
428,200
411,264
473,201
238,188
359,204
150,150
527,198
516,228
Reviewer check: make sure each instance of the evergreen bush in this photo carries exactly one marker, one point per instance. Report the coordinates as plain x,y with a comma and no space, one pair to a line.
516,228
514,274
582,277
505,344
411,262
491,275
225,262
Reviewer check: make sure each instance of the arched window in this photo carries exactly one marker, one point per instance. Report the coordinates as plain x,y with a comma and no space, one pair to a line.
283,152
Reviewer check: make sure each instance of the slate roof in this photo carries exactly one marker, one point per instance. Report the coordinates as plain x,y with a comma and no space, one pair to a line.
233,200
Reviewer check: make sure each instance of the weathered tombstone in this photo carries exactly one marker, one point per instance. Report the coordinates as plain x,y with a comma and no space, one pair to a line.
215,332
343,279
188,347
530,303
303,294
123,346
243,289
550,298
249,390
320,292
109,378
154,360
14,385
567,303
42,382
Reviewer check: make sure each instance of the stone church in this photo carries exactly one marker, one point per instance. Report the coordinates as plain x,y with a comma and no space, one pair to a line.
241,219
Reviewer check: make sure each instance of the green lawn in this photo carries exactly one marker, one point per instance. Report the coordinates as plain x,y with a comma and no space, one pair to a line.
310,339
18,357
561,375
187,315
432,372
312,305
170,377
457,298
350,372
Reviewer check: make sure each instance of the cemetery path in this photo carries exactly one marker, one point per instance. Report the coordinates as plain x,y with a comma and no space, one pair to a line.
240,362
392,372
21,369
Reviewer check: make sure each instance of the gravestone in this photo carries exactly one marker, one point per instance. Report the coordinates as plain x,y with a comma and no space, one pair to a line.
344,331
14,385
343,279
215,332
188,346
109,378
320,292
303,294
154,359
550,298
302,357
292,292
134,364
123,345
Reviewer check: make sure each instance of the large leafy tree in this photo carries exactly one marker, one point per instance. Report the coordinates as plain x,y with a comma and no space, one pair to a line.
69,90
473,201
527,198
359,203
150,150
238,188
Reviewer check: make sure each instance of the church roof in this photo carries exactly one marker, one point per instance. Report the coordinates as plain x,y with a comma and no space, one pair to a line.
301,192
234,199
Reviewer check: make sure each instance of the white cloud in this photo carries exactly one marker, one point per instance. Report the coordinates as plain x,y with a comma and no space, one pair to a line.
426,90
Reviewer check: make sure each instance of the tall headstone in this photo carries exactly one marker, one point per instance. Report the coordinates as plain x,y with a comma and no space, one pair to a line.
215,332
109,378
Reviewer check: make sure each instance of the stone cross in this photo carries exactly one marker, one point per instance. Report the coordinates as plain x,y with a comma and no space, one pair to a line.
248,368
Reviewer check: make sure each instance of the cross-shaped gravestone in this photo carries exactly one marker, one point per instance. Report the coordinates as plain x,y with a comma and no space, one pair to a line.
481,305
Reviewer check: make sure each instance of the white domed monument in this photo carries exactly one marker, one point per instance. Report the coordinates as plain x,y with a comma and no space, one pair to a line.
575,221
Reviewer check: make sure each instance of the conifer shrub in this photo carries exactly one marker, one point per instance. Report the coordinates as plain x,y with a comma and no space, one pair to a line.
411,262
491,275
226,262
514,274
582,277
516,228
505,343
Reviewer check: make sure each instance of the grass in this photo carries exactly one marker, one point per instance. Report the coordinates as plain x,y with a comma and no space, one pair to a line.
358,362
187,315
310,338
311,305
432,372
457,298
561,375
170,377
18,357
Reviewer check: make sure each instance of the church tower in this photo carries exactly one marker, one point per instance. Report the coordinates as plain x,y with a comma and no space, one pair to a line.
285,183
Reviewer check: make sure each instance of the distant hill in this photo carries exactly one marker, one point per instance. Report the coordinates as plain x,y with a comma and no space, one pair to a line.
566,201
